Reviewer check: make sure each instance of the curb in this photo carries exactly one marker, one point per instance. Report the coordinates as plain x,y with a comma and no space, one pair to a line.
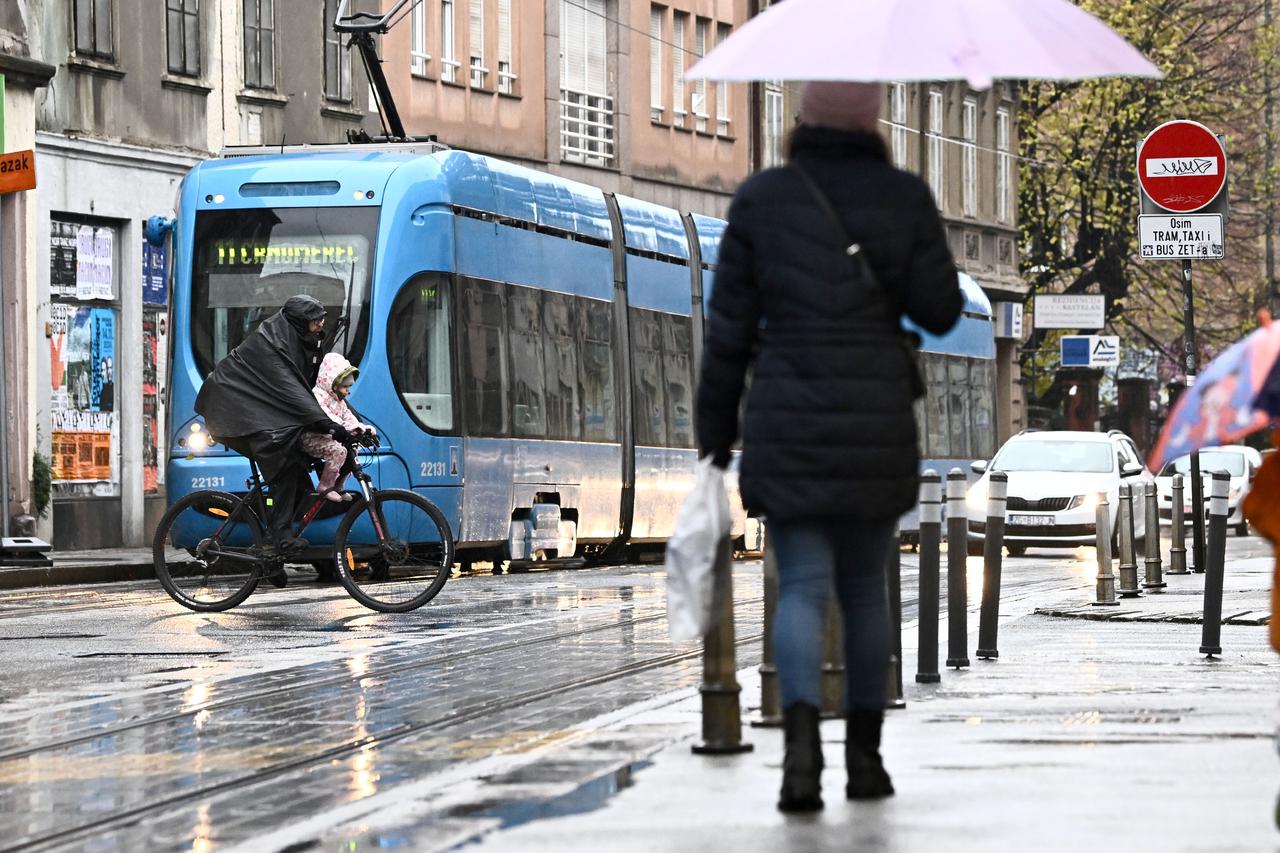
1242,617
74,573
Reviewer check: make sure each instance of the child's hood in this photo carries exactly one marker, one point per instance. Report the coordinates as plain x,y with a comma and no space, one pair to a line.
333,369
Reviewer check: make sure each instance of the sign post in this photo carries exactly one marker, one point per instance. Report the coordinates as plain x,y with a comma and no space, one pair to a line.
1182,170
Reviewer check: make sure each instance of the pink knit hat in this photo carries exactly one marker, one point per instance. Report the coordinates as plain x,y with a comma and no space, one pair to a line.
842,105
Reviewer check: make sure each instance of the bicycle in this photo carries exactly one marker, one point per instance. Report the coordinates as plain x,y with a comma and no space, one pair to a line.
393,549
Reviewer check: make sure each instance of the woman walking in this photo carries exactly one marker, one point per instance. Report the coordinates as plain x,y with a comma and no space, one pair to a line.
819,262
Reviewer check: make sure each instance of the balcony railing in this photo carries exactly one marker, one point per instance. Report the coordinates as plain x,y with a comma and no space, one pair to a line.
586,128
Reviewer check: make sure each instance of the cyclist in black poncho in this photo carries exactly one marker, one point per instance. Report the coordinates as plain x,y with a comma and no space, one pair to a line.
258,401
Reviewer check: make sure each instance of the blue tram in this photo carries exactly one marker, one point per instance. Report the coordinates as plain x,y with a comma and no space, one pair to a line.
526,343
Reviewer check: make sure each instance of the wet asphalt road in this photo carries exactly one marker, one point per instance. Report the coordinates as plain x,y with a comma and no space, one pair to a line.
130,723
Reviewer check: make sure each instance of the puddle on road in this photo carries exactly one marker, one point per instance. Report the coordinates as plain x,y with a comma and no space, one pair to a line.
587,797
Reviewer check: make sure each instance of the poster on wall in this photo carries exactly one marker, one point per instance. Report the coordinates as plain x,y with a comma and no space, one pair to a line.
154,351
62,260
102,351
82,262
58,314
84,427
154,273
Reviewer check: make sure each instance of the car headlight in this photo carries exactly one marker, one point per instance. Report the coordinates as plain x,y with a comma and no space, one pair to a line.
1233,493
977,500
1087,502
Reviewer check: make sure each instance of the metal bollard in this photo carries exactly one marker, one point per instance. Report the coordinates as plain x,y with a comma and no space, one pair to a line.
1215,565
1106,595
930,560
770,696
957,568
992,553
1153,579
721,714
1178,533
832,684
893,579
1128,561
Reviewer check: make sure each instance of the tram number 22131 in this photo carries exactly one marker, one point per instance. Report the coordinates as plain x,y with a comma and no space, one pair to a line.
432,469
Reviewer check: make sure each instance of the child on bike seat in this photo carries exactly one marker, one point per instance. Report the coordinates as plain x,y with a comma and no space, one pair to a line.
333,385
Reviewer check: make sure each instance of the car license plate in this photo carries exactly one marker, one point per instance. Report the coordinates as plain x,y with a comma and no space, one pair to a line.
1031,519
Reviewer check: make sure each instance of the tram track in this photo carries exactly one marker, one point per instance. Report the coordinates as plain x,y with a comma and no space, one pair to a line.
458,716
325,681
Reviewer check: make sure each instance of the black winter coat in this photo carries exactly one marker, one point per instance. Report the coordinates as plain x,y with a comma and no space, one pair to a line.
829,429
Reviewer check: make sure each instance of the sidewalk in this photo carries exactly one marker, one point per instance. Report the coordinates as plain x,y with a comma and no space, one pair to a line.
1086,734
102,565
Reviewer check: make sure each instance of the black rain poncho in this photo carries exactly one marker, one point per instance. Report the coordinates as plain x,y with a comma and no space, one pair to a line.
258,399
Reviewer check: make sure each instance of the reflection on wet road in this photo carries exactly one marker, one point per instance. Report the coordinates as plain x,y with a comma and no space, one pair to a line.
131,724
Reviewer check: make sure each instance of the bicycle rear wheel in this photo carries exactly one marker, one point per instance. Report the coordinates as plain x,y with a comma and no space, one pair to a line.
404,567
204,559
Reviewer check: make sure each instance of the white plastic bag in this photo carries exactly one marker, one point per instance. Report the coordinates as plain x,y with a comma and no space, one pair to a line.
691,554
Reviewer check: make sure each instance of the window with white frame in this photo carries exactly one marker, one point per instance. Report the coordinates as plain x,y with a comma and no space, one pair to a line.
898,123
449,64
337,59
655,62
772,123
969,163
722,88
679,21
506,55
701,27
937,158
586,108
1004,165
418,56
475,39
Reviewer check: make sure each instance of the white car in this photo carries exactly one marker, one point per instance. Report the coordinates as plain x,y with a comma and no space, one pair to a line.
1054,481
1240,462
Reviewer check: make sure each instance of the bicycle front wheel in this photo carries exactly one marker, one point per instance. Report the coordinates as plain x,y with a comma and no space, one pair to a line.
395,554
206,559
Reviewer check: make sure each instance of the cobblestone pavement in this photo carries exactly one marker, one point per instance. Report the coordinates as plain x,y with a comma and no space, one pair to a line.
131,724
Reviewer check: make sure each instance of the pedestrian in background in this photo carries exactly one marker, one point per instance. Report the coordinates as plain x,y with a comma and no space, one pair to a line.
829,454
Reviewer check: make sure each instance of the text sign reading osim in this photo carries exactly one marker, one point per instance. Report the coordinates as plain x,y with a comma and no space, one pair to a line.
1182,166
1178,236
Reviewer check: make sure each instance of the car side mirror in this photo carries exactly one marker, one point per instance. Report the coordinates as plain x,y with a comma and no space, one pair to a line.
978,466
1130,469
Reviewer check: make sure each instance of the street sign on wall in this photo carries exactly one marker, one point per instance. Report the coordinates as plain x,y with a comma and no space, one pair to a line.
1181,235
17,171
1090,350
1182,166
1069,311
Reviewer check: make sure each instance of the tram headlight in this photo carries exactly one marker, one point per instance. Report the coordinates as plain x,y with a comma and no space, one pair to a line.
196,438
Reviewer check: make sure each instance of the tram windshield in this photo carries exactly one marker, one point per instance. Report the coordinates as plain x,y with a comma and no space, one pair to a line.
1088,457
248,262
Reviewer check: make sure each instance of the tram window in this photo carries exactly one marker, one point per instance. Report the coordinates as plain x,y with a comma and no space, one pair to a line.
650,397
958,414
482,322
983,391
677,374
560,354
419,350
595,370
939,435
528,370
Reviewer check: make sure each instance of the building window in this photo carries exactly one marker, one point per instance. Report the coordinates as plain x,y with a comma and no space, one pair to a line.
337,59
700,29
1004,165
969,165
936,157
772,123
449,64
586,110
259,44
475,39
183,37
679,23
93,28
418,56
898,123
722,89
655,63
506,60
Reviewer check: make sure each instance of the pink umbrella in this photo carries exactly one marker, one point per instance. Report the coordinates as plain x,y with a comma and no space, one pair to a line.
878,40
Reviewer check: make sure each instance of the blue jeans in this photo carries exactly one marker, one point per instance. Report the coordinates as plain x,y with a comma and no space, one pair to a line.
810,556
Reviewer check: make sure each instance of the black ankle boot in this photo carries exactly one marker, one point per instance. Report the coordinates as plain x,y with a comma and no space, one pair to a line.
802,766
867,777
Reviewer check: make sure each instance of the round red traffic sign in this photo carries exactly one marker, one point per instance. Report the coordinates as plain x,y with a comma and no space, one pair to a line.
1182,166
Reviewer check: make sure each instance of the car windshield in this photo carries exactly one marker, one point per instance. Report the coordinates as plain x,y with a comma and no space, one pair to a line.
1090,457
248,262
1232,463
